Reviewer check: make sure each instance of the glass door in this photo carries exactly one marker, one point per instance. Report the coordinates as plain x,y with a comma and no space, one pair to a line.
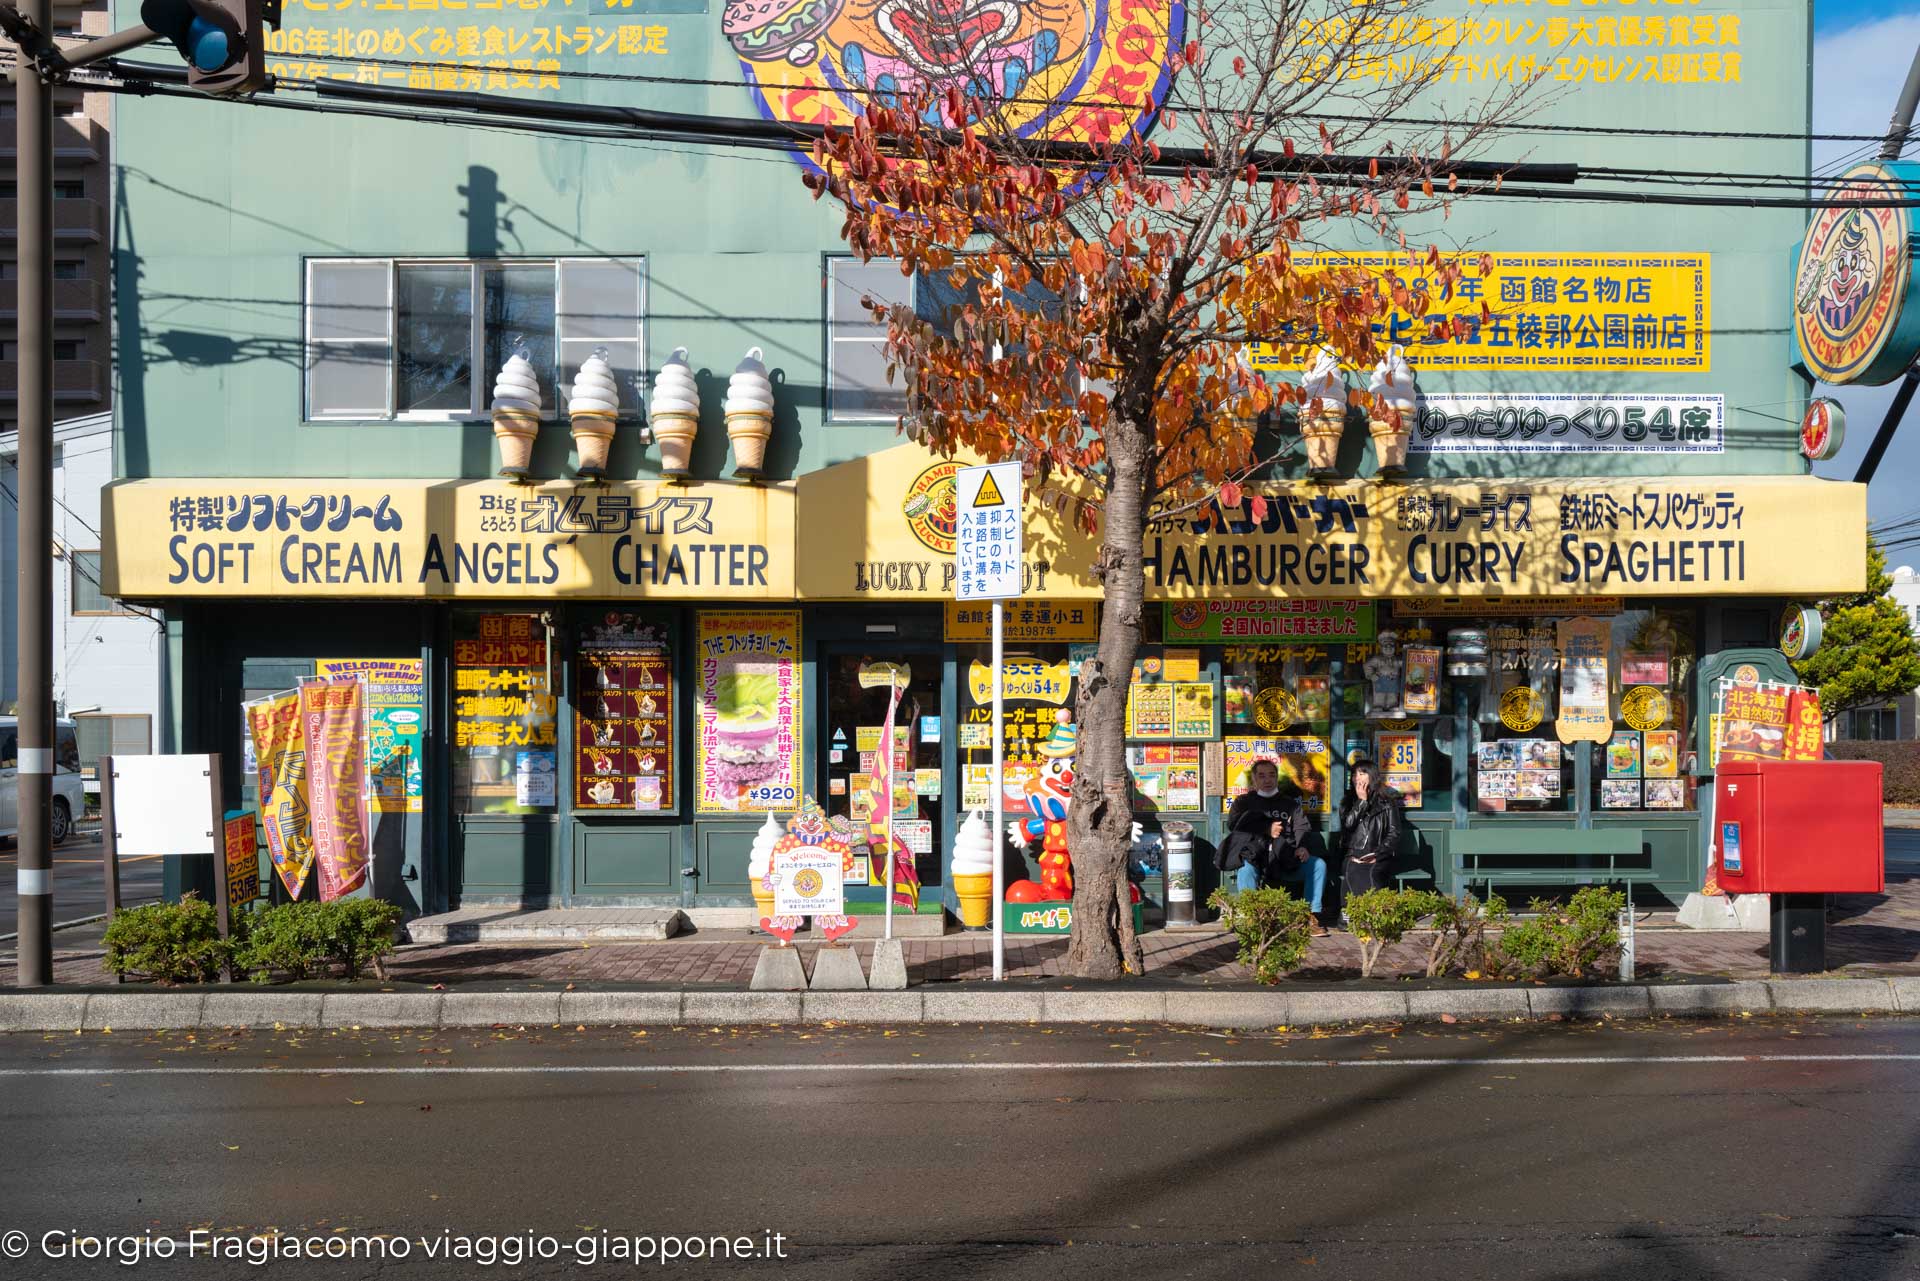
857,685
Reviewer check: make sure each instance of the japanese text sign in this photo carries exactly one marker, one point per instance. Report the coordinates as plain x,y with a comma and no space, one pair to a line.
988,543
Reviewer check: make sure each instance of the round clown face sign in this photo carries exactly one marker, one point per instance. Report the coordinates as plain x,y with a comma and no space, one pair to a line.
1063,70
1851,318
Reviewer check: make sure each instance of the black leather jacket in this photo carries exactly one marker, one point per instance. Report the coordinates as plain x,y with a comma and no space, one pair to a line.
1372,826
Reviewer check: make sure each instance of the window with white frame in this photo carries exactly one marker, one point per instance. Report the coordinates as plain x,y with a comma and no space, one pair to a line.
111,734
422,340
858,390
87,596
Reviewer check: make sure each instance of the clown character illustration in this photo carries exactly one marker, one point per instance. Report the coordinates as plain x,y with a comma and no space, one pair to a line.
1048,797
1842,278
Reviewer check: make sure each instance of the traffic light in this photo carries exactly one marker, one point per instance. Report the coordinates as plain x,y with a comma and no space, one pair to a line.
224,42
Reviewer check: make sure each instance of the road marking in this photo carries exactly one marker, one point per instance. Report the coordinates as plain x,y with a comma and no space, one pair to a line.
1093,1065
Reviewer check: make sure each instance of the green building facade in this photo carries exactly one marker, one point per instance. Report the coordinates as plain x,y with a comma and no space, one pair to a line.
313,305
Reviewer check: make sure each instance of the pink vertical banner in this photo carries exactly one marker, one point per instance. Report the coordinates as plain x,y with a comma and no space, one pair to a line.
333,720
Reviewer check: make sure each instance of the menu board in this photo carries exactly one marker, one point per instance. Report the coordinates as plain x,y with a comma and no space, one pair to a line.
623,718
1661,756
501,705
1166,776
1150,711
1753,721
1517,769
1623,754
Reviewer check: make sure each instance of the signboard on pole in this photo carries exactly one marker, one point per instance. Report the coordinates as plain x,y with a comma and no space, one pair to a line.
243,859
988,542
807,882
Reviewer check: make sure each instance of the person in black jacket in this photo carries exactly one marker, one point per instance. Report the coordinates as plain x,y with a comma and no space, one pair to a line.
1370,822
1267,831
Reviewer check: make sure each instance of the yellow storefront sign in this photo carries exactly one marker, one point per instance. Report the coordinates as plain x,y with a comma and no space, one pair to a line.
1578,537
1638,312
418,539
1021,679
1024,621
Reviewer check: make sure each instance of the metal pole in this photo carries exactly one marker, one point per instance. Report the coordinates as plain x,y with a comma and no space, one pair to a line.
886,747
1903,113
33,99
109,839
1884,437
999,805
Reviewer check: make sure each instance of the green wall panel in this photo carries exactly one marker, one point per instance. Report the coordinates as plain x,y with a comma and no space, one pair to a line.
621,859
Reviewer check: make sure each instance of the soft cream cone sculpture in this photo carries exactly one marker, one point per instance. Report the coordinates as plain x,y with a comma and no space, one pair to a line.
759,863
516,414
675,414
594,408
749,411
1391,423
973,855
1324,417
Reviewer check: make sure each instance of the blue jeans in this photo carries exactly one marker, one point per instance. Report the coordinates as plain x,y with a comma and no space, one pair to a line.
1312,873
1248,878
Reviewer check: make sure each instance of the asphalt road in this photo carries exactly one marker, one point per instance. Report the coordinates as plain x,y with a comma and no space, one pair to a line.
79,881
1733,1149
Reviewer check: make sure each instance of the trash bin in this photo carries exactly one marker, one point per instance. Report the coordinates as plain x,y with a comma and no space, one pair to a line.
1178,838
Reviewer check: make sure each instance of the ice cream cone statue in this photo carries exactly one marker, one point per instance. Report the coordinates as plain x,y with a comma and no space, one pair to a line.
749,411
760,865
594,408
516,412
1391,419
973,855
1324,415
675,414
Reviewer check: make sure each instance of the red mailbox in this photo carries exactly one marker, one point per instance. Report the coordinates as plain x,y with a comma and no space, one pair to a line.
1799,827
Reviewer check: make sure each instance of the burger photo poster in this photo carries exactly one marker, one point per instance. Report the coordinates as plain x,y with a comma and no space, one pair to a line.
747,748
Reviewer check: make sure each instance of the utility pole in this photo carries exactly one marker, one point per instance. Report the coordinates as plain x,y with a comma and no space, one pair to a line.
33,124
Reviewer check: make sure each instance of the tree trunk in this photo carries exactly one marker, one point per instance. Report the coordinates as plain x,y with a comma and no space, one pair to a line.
1100,820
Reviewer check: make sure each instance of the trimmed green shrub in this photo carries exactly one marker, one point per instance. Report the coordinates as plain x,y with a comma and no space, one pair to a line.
167,942
361,934
1460,936
1899,765
307,940
288,940
1571,938
1274,929
1382,917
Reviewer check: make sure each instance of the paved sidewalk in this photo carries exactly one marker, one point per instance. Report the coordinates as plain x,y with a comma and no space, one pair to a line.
1870,935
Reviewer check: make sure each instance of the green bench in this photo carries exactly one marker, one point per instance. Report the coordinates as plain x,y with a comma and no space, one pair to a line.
1515,856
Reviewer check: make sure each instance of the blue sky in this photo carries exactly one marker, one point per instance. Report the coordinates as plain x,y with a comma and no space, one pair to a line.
1861,53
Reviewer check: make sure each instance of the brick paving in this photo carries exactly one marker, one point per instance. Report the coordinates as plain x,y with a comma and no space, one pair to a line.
1869,934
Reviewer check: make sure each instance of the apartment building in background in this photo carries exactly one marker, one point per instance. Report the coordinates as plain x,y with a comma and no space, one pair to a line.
82,178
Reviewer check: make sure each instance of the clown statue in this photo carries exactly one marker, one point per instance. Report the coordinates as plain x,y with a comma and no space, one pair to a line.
1048,796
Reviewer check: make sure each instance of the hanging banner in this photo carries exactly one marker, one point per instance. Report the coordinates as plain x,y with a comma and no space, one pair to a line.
280,765
396,713
333,726
747,750
1584,647
1806,737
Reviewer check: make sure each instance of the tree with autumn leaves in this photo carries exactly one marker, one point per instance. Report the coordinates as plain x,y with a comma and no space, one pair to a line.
1108,280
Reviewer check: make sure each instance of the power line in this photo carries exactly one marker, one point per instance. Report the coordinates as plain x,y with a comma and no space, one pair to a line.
502,112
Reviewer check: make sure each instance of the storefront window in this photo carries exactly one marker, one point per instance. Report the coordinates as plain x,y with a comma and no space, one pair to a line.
1650,680
859,688
504,736
623,725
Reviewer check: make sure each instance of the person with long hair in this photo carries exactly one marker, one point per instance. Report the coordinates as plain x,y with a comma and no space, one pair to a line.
1370,824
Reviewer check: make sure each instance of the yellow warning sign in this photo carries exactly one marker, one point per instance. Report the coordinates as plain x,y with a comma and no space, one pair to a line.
989,495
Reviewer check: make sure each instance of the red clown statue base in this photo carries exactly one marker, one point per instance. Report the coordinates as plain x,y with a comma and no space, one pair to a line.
1047,797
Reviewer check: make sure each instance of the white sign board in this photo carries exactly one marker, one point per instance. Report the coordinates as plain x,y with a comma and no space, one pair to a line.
163,805
806,882
988,546
1609,423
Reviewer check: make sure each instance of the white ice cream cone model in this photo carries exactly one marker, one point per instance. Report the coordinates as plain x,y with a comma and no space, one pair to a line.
749,411
973,854
516,413
593,410
1391,421
760,863
1324,416
675,414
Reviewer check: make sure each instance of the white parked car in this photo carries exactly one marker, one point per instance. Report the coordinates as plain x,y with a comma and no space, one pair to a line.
69,796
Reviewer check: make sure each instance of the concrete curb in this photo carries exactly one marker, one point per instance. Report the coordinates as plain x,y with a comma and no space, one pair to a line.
1281,1006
